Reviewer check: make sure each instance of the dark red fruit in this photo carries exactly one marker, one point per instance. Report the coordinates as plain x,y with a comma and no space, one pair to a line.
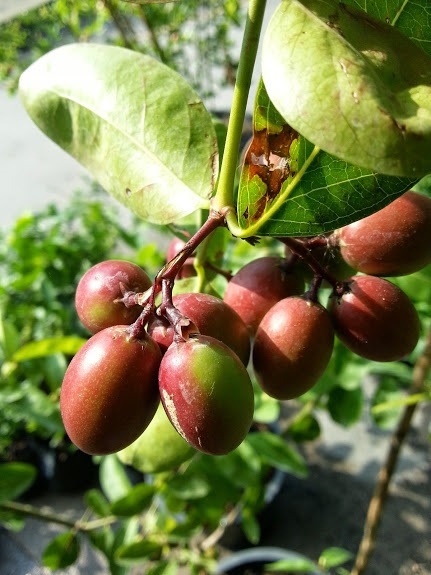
213,317
110,391
207,394
292,348
394,241
260,284
375,319
101,286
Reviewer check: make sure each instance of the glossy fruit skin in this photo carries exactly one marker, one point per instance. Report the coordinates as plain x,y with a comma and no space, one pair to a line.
292,347
207,394
212,316
375,319
394,241
257,286
100,286
110,393
160,448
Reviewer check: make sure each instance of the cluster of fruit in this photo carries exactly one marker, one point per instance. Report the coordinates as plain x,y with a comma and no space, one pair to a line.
192,351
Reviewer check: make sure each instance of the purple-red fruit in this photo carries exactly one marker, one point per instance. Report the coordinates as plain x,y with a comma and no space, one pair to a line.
212,316
101,287
256,287
292,348
207,394
375,319
394,241
110,391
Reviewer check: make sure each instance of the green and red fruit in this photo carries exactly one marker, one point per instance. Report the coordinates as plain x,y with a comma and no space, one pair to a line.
207,394
375,319
293,345
212,316
110,390
101,287
160,448
256,287
394,241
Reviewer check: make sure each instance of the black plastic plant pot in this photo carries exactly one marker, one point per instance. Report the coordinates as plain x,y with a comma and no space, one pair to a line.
253,561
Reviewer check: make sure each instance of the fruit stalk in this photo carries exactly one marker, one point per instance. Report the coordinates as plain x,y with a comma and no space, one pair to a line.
300,248
377,502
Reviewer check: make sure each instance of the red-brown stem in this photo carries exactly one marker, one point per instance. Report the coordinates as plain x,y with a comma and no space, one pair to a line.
302,249
166,276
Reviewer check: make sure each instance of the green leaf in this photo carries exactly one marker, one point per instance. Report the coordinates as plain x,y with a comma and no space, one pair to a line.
136,551
97,502
61,551
134,123
306,428
164,568
333,557
299,565
409,17
113,478
354,86
290,187
274,450
250,526
49,346
9,338
189,486
15,479
345,405
137,499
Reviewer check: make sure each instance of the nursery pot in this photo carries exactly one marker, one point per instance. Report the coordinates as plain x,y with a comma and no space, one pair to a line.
252,561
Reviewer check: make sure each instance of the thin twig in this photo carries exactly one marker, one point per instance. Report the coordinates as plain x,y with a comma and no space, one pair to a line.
40,514
377,502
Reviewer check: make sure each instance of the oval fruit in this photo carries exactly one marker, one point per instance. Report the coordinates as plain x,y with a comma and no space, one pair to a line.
375,319
110,393
212,316
160,448
292,348
257,286
207,394
394,241
101,286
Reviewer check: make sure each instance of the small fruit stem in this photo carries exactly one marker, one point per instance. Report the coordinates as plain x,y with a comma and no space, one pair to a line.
375,508
302,249
183,326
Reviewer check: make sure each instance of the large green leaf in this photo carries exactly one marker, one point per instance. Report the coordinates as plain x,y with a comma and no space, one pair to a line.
135,124
411,18
290,187
356,87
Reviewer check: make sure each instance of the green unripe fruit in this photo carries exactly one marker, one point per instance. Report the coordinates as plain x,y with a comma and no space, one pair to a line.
207,394
292,348
160,448
110,391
